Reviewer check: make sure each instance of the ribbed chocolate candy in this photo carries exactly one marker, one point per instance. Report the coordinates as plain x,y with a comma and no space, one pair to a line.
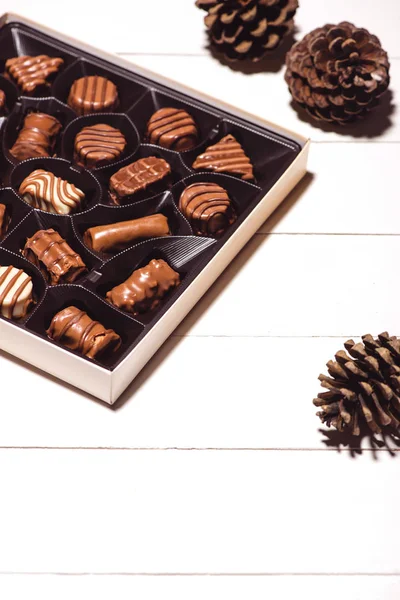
15,293
226,156
93,94
54,257
172,128
4,220
98,145
2,102
31,72
42,189
208,208
37,137
138,176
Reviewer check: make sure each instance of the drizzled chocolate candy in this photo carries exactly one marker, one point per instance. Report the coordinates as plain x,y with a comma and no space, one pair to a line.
138,176
42,189
118,236
15,293
172,128
30,72
4,220
145,288
226,156
93,94
74,329
54,257
208,208
37,137
2,103
98,145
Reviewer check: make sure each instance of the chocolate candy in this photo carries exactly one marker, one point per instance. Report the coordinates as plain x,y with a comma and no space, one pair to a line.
4,220
37,137
208,208
15,293
74,329
98,145
138,176
226,156
42,189
31,72
93,94
118,236
145,288
54,257
172,128
3,105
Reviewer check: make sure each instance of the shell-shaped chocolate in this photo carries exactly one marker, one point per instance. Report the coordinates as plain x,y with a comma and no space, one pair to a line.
37,136
43,190
208,208
172,128
93,94
15,293
226,156
98,145
31,72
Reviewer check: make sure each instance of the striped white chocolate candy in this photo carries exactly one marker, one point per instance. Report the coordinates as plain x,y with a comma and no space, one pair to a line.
42,189
15,292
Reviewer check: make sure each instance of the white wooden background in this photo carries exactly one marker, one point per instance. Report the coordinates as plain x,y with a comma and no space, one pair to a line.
223,486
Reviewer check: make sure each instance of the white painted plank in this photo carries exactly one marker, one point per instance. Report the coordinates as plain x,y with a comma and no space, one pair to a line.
48,587
197,512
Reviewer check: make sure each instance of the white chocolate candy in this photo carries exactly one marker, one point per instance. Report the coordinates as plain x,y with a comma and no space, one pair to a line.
15,292
42,189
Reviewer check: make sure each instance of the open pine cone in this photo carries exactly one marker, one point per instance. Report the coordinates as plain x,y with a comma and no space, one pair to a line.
363,388
248,29
337,72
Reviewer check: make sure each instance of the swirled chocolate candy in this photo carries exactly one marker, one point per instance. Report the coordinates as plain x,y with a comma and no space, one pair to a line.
54,257
37,137
145,288
15,293
138,176
98,145
3,104
226,156
207,207
118,236
42,189
74,329
4,220
172,128
30,72
93,94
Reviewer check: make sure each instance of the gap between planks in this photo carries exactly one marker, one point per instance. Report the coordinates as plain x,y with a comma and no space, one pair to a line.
192,449
183,574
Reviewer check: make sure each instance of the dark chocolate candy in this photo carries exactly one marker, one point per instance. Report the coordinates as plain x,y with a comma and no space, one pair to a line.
74,329
42,189
3,102
37,137
93,94
31,72
207,207
15,293
172,128
226,156
145,288
54,257
138,176
98,145
118,236
4,220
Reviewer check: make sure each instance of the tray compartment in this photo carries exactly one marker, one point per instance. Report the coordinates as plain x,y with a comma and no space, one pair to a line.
16,208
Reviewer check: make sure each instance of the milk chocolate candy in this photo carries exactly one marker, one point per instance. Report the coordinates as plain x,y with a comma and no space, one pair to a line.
42,189
208,208
172,128
37,137
145,288
2,103
138,176
30,72
93,94
74,329
226,156
15,293
118,236
98,145
4,220
54,257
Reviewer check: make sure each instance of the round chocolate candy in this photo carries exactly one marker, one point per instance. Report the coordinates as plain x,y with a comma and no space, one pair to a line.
98,145
172,128
93,94
15,293
208,208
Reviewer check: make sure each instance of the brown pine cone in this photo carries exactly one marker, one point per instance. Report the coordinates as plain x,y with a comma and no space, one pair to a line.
363,388
337,72
248,29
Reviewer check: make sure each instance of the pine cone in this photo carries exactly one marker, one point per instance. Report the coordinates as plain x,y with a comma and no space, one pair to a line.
363,387
337,73
248,29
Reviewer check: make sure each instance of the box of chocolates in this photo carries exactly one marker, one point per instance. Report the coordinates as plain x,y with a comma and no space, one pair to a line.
123,197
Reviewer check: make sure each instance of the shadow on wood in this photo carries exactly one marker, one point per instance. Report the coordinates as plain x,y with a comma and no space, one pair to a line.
388,442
